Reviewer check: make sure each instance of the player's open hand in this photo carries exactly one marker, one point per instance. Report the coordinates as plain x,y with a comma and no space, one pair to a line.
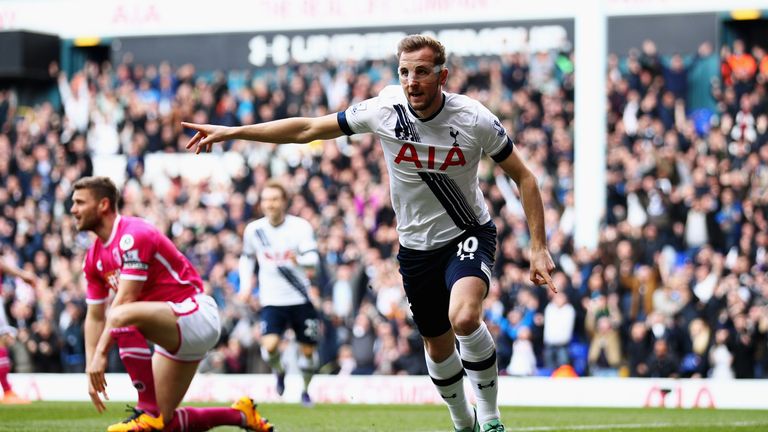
205,136
97,382
542,267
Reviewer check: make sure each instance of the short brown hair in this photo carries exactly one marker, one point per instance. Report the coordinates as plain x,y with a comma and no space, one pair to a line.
274,184
101,187
416,42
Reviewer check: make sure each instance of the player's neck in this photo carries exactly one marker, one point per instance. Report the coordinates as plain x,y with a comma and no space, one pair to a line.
276,222
104,232
432,109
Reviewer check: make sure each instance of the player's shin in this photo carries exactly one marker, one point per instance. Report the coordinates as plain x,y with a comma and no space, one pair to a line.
5,368
308,366
137,359
273,360
448,379
478,355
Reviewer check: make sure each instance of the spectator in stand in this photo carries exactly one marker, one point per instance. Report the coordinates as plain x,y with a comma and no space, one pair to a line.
638,349
559,320
662,363
605,349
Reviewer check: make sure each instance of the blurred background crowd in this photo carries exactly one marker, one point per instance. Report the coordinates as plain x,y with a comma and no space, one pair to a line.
676,288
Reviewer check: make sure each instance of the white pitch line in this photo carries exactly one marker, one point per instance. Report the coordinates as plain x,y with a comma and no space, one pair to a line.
629,426
632,426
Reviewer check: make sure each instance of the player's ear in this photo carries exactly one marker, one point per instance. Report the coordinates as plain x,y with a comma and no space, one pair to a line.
104,205
443,75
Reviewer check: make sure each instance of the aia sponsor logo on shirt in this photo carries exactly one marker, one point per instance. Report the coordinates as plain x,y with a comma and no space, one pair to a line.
408,153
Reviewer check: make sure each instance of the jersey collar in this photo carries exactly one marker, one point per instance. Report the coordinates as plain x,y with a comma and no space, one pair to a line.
114,230
439,110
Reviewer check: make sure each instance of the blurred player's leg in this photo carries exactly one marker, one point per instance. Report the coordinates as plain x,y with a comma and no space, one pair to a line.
270,352
9,397
137,359
478,355
308,366
448,377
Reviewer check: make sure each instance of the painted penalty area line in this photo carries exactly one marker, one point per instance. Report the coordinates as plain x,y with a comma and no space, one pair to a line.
634,426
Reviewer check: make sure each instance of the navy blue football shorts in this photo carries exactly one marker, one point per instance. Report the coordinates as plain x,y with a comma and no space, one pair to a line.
428,276
301,318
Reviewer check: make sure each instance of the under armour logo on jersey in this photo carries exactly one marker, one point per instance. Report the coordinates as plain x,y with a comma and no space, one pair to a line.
404,130
489,385
454,135
453,396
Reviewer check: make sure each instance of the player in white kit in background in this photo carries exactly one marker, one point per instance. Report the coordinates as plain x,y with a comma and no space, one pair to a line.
285,248
433,142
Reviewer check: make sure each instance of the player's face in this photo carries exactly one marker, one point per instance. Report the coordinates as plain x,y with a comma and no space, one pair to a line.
273,204
422,80
85,210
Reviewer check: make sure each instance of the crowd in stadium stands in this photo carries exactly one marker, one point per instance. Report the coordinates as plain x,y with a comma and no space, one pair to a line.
676,288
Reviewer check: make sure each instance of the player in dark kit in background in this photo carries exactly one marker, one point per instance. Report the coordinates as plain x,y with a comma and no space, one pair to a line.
433,142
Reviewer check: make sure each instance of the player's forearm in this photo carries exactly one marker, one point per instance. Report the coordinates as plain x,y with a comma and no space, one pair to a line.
104,341
94,327
534,211
283,131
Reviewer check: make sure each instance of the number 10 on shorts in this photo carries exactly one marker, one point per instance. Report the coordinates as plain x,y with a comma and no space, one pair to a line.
467,248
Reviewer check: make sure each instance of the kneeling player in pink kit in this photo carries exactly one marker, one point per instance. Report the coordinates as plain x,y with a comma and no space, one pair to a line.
159,298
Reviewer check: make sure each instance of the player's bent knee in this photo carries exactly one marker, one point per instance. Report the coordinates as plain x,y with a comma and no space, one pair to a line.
120,316
465,322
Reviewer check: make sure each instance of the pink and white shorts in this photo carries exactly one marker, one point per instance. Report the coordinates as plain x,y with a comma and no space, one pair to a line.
199,328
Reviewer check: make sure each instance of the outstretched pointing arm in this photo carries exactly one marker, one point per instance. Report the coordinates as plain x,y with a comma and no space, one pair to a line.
289,130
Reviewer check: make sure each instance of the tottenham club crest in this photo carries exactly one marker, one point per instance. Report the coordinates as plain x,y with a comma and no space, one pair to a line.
126,242
499,128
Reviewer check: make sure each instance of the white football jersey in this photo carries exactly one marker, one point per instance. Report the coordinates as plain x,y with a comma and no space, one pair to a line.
432,162
282,282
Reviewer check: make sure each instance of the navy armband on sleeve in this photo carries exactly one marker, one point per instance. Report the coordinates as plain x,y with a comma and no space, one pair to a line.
341,116
504,153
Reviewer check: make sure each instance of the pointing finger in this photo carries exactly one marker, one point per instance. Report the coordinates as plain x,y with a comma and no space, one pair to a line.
550,282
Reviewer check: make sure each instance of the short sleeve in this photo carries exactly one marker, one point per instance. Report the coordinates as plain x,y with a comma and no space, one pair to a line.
96,291
307,247
249,248
492,136
137,249
360,118
307,242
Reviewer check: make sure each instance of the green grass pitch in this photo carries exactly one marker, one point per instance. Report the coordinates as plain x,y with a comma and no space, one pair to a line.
80,416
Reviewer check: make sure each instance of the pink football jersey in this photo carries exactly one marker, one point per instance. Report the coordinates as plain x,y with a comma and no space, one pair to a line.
136,250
